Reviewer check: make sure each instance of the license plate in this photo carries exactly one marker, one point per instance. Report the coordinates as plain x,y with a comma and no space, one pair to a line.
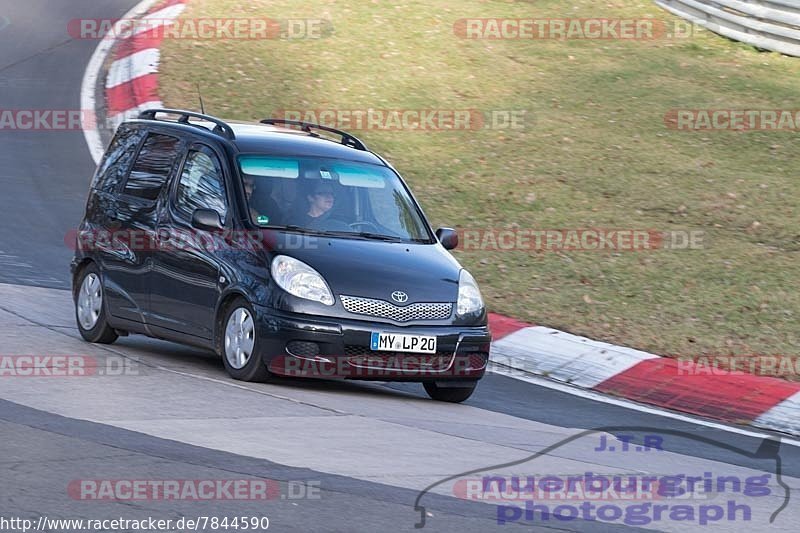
393,342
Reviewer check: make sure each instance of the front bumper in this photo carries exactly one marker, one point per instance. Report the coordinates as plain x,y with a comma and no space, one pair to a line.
314,347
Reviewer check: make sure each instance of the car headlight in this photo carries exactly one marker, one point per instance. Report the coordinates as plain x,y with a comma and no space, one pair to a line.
469,296
299,279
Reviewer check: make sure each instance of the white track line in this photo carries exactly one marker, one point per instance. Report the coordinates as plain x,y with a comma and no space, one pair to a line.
598,397
91,130
779,416
583,362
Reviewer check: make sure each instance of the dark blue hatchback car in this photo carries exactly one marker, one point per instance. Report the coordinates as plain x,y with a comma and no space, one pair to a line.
288,248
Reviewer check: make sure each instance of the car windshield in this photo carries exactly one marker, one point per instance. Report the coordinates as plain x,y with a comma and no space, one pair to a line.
330,197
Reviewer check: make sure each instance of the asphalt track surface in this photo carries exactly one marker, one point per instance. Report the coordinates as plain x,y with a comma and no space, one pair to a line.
341,456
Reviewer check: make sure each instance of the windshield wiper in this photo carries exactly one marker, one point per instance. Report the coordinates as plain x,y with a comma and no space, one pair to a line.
365,235
337,233
298,229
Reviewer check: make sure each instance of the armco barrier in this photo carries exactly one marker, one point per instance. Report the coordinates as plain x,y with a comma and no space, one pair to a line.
768,24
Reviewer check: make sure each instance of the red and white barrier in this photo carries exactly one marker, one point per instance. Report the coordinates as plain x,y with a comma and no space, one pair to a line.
684,386
131,84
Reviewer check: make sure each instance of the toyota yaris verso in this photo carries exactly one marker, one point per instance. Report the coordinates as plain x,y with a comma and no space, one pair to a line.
288,248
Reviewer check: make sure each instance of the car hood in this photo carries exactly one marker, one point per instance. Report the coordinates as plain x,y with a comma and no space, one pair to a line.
375,269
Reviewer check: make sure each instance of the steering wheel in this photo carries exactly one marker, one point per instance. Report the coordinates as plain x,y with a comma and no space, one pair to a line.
363,223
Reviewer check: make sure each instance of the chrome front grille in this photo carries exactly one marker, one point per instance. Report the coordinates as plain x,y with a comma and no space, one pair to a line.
384,309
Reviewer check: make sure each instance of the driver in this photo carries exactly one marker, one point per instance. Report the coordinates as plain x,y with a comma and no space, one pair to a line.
320,202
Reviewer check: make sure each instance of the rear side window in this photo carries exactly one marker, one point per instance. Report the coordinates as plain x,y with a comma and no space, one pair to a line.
152,166
201,185
117,160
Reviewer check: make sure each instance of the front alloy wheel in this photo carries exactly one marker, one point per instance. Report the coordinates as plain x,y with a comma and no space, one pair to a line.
239,343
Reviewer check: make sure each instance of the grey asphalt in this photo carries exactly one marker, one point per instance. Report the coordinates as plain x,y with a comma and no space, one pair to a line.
35,482
43,174
371,447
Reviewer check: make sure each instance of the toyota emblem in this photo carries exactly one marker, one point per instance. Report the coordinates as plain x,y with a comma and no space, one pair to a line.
399,297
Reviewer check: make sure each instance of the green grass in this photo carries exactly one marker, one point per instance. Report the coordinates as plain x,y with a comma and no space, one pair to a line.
596,153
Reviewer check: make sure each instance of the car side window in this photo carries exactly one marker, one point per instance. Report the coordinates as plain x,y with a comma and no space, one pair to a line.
117,160
201,185
152,167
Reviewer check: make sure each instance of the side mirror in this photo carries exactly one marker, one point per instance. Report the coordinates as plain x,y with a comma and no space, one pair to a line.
206,219
448,237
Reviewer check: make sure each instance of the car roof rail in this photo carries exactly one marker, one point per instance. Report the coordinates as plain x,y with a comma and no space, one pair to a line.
221,127
347,139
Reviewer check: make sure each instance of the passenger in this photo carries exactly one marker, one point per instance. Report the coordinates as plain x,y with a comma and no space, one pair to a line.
263,208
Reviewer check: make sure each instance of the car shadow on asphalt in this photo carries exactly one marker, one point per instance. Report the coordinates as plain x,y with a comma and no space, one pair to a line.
190,359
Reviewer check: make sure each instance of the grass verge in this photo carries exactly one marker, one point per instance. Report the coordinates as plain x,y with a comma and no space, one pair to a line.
594,152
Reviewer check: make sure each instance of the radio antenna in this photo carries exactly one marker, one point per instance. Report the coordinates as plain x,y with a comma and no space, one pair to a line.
200,96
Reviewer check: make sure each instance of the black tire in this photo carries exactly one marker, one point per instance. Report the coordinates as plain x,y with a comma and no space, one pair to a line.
254,368
449,394
100,332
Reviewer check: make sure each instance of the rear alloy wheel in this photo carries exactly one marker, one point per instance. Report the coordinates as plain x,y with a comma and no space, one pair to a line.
239,343
449,394
90,312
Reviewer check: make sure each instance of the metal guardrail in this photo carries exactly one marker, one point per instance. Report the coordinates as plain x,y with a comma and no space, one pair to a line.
768,24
